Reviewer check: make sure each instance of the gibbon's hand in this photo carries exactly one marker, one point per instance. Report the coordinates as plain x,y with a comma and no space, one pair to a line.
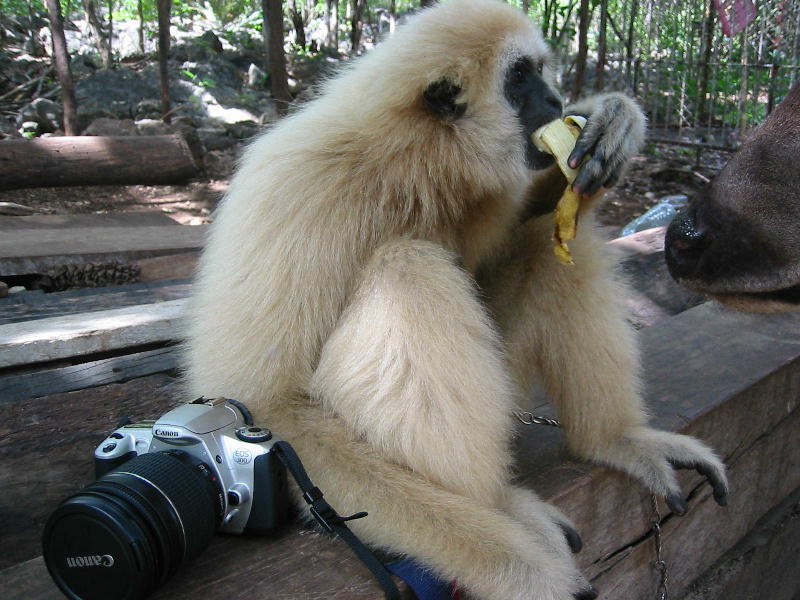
612,136
651,456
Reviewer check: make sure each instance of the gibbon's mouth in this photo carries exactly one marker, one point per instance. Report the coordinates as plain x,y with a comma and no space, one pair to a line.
536,159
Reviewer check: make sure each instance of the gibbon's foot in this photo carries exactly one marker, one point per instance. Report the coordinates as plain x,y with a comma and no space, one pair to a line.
573,539
588,594
612,135
651,456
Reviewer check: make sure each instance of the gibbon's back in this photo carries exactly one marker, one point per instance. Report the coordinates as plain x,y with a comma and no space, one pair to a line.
362,163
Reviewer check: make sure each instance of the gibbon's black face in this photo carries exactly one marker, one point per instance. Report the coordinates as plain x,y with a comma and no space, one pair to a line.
529,94
535,103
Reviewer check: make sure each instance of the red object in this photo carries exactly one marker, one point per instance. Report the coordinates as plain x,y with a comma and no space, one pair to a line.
735,15
455,594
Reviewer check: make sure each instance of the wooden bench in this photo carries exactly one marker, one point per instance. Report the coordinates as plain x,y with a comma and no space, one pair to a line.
732,379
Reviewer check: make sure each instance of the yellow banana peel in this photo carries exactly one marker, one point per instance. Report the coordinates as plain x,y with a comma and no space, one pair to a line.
558,138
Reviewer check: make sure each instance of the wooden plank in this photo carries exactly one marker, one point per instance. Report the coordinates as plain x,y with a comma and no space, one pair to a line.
129,219
87,375
174,266
86,333
731,379
24,251
54,439
32,305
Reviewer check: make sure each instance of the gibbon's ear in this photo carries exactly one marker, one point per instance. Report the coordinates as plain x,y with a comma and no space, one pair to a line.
440,98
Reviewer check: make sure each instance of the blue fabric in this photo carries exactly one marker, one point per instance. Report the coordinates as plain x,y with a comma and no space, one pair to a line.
424,583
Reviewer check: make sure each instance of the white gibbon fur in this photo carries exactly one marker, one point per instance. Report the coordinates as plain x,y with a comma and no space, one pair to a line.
375,292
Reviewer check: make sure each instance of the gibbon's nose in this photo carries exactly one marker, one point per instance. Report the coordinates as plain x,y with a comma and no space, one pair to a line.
554,102
685,243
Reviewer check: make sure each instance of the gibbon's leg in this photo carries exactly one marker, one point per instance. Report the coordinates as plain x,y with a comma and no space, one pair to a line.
565,323
414,367
490,554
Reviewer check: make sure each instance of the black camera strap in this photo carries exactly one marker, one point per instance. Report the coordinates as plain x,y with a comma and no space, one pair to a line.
331,521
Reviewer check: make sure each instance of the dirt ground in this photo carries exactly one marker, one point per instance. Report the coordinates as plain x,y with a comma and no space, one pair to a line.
661,171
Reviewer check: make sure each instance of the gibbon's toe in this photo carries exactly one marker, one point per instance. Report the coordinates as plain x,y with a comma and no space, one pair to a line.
573,539
715,479
588,594
676,504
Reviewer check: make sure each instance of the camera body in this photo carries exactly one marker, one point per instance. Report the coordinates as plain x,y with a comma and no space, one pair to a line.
252,493
163,489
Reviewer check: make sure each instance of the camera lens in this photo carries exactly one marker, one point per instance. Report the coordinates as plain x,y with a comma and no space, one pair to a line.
130,530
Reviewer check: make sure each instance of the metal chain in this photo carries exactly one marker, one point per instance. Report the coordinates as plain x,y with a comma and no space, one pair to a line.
528,418
660,564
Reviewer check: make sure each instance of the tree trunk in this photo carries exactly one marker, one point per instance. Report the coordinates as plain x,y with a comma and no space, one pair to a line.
97,33
110,37
355,24
629,45
526,6
743,88
336,25
600,68
164,10
276,58
427,3
93,160
392,16
36,43
583,49
62,67
140,10
702,94
299,28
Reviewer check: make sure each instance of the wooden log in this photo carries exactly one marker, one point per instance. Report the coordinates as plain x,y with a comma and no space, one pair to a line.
91,160
173,266
25,251
55,338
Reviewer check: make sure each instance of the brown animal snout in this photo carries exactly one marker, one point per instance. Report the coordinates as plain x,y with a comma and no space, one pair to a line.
685,243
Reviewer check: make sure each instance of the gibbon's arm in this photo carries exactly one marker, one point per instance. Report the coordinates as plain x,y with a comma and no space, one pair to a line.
414,368
566,322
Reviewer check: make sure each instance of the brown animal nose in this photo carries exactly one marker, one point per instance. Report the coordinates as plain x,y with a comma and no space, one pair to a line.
685,243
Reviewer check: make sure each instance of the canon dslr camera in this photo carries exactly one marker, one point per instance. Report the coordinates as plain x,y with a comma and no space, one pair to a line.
164,487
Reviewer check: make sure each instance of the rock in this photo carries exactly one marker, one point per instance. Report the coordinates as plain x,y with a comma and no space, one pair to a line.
153,127
45,113
7,129
149,108
115,92
210,38
29,129
256,78
242,130
16,289
270,115
15,210
3,289
111,127
215,139
81,65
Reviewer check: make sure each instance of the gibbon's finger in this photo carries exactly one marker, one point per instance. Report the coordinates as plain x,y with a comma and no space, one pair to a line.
589,593
573,539
712,474
585,144
590,177
612,180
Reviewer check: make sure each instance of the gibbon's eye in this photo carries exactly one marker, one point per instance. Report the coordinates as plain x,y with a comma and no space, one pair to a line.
520,70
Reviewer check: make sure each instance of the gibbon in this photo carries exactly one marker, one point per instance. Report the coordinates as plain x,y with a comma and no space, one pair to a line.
379,287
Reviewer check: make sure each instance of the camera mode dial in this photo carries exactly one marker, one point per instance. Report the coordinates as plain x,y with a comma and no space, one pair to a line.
254,435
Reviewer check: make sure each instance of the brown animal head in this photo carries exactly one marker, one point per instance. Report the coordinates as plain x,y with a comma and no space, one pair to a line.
740,241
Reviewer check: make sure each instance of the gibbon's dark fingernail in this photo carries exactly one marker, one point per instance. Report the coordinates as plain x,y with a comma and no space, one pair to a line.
677,504
573,539
588,594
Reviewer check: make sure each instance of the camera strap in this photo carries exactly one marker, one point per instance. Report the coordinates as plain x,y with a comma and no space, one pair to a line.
331,521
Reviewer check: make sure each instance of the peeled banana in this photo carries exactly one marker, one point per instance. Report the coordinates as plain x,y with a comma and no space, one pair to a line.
558,138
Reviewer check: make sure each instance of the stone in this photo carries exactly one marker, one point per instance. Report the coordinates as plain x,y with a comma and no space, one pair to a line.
149,108
153,127
256,78
111,127
44,112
